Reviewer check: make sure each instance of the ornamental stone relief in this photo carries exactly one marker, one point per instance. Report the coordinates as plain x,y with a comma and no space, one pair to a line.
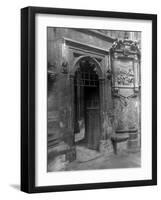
123,73
125,61
126,117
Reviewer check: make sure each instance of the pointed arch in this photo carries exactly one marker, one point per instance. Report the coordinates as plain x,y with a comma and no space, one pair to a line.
89,58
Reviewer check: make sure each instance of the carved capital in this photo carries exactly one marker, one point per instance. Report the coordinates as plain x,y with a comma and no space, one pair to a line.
102,80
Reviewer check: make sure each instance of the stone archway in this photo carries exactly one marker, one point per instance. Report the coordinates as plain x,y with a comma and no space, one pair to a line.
93,87
75,65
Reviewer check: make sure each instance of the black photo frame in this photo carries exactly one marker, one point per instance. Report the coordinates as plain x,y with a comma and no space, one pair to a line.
28,91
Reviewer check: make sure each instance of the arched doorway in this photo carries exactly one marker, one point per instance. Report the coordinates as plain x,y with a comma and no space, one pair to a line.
87,104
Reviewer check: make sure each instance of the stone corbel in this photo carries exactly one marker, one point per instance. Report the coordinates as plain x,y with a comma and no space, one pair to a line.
115,91
109,74
136,90
64,65
52,70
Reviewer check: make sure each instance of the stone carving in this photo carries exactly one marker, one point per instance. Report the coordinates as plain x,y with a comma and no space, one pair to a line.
123,100
52,70
125,53
64,66
124,95
123,73
124,120
124,77
109,74
126,47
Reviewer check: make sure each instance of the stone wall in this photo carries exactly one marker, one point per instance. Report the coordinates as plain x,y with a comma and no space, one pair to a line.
65,47
61,59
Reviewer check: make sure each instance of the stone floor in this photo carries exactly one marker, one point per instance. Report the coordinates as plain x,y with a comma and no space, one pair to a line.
121,160
89,159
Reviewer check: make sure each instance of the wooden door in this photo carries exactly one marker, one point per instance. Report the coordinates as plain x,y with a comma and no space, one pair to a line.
93,127
93,119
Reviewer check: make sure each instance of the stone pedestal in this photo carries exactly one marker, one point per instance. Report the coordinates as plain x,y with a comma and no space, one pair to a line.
119,141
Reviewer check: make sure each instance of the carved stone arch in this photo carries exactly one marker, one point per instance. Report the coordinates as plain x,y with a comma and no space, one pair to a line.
75,65
101,78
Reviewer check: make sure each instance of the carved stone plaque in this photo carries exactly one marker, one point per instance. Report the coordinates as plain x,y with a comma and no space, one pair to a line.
123,73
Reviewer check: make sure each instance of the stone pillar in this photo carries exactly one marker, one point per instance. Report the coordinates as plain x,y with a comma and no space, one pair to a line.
102,104
136,73
134,135
71,153
71,79
105,146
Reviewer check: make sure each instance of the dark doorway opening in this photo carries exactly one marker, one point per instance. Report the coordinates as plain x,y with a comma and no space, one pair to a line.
87,105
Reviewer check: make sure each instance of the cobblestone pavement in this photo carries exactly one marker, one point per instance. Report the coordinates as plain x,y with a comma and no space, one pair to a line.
121,160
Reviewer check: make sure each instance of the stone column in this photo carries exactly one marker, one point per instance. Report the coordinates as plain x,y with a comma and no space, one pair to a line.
71,125
136,74
102,104
134,135
71,153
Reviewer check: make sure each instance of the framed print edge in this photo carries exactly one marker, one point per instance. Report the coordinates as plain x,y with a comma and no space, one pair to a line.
28,90
154,99
24,101
27,101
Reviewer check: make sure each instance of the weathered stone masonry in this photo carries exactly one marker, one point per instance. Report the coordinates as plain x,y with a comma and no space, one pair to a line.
68,49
